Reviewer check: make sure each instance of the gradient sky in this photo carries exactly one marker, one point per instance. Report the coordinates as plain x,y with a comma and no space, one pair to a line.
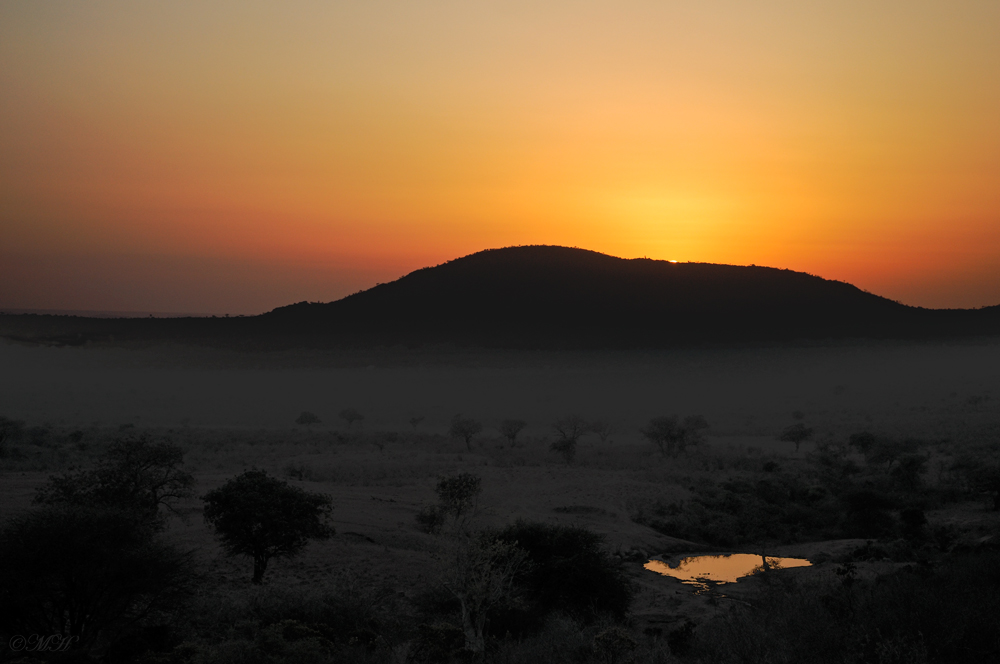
237,156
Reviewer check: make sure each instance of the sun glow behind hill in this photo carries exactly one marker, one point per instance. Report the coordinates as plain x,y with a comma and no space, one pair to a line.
239,156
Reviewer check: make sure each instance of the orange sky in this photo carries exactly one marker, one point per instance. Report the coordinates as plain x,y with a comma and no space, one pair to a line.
232,157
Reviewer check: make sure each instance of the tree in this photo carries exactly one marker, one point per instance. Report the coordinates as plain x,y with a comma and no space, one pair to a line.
510,428
261,517
307,419
351,415
602,429
134,474
664,433
85,573
483,574
571,427
464,428
458,494
415,420
796,433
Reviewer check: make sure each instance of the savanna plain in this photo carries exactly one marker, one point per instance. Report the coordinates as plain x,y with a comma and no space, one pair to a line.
503,506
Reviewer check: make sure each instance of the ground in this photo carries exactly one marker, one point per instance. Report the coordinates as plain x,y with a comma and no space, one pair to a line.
232,411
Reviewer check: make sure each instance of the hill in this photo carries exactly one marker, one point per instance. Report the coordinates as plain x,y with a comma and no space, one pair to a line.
544,296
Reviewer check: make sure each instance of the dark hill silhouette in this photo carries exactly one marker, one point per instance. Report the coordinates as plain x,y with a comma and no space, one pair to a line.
543,296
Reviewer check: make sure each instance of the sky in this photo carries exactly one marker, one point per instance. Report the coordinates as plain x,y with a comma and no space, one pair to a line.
231,157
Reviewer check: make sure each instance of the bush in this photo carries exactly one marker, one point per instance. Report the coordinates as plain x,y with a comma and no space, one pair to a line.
458,494
431,519
950,615
568,572
86,573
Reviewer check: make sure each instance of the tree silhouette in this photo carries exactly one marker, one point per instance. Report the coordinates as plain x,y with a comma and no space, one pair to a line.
261,517
307,419
482,576
458,493
351,415
796,433
510,428
602,429
134,474
415,420
664,433
464,428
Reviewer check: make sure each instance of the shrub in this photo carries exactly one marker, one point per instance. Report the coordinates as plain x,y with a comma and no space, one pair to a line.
431,519
569,572
89,573
458,494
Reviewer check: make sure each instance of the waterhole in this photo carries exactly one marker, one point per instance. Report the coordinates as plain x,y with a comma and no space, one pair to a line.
708,571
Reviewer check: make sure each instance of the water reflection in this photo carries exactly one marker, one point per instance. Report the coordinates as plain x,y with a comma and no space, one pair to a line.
709,571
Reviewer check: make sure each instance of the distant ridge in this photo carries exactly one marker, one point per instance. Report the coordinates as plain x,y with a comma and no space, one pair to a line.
552,297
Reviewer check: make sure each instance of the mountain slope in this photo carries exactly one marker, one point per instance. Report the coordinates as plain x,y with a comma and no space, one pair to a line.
543,295
551,297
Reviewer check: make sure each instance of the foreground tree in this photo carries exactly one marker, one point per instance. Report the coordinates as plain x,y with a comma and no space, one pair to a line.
464,428
569,572
86,573
134,474
261,517
483,575
510,428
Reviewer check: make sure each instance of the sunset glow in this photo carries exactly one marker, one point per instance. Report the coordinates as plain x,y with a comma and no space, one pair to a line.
234,157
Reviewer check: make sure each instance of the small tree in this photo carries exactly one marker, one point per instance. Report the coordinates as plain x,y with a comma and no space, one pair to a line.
307,419
571,427
510,428
796,433
261,517
483,575
458,494
134,474
602,429
415,420
351,415
664,433
464,428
